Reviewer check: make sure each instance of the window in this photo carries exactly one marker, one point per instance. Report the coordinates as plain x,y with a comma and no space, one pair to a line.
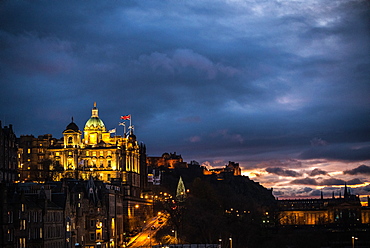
92,236
10,235
10,217
22,242
70,140
22,225
28,150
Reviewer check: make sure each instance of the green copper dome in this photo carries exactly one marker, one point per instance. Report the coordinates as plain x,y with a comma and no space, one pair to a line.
95,122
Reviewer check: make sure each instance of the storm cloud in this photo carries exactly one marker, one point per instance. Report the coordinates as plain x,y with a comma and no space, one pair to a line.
272,85
282,172
362,169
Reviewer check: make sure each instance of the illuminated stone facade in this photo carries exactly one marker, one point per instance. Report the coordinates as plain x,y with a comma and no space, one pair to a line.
104,177
98,154
340,211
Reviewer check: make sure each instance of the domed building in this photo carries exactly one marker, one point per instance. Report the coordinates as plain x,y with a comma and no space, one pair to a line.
95,131
98,154
94,155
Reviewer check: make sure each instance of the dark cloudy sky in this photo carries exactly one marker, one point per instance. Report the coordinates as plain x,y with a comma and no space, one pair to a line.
281,87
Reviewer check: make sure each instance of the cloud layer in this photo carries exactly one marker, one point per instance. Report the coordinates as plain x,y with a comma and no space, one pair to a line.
280,87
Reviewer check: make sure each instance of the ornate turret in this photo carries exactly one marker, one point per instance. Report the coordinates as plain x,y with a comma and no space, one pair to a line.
72,135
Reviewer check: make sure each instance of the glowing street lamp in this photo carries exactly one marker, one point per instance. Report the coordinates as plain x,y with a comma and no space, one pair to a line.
353,241
150,241
231,242
175,234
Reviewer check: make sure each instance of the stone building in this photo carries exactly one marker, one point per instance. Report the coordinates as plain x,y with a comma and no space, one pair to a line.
336,211
231,168
30,218
100,178
8,154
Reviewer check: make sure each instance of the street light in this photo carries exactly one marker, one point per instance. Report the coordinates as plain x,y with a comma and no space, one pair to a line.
150,241
175,233
231,242
353,241
220,241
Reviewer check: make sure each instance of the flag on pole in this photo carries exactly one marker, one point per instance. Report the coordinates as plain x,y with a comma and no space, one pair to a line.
112,130
126,117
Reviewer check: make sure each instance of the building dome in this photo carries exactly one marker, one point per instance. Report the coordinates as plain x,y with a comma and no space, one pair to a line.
72,126
95,122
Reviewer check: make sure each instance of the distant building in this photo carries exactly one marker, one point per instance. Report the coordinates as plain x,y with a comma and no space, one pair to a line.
8,154
167,160
156,165
231,168
338,211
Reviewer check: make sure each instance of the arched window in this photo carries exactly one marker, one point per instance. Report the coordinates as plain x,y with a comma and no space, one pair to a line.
69,140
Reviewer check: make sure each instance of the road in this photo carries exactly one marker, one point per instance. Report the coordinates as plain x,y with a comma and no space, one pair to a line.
146,237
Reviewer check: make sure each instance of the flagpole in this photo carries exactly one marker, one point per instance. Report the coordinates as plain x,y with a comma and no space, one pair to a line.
130,122
124,128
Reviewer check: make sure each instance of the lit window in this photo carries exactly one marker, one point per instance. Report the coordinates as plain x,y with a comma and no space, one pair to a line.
22,242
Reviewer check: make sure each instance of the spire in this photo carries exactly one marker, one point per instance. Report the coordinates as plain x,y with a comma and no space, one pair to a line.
322,195
94,111
345,191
